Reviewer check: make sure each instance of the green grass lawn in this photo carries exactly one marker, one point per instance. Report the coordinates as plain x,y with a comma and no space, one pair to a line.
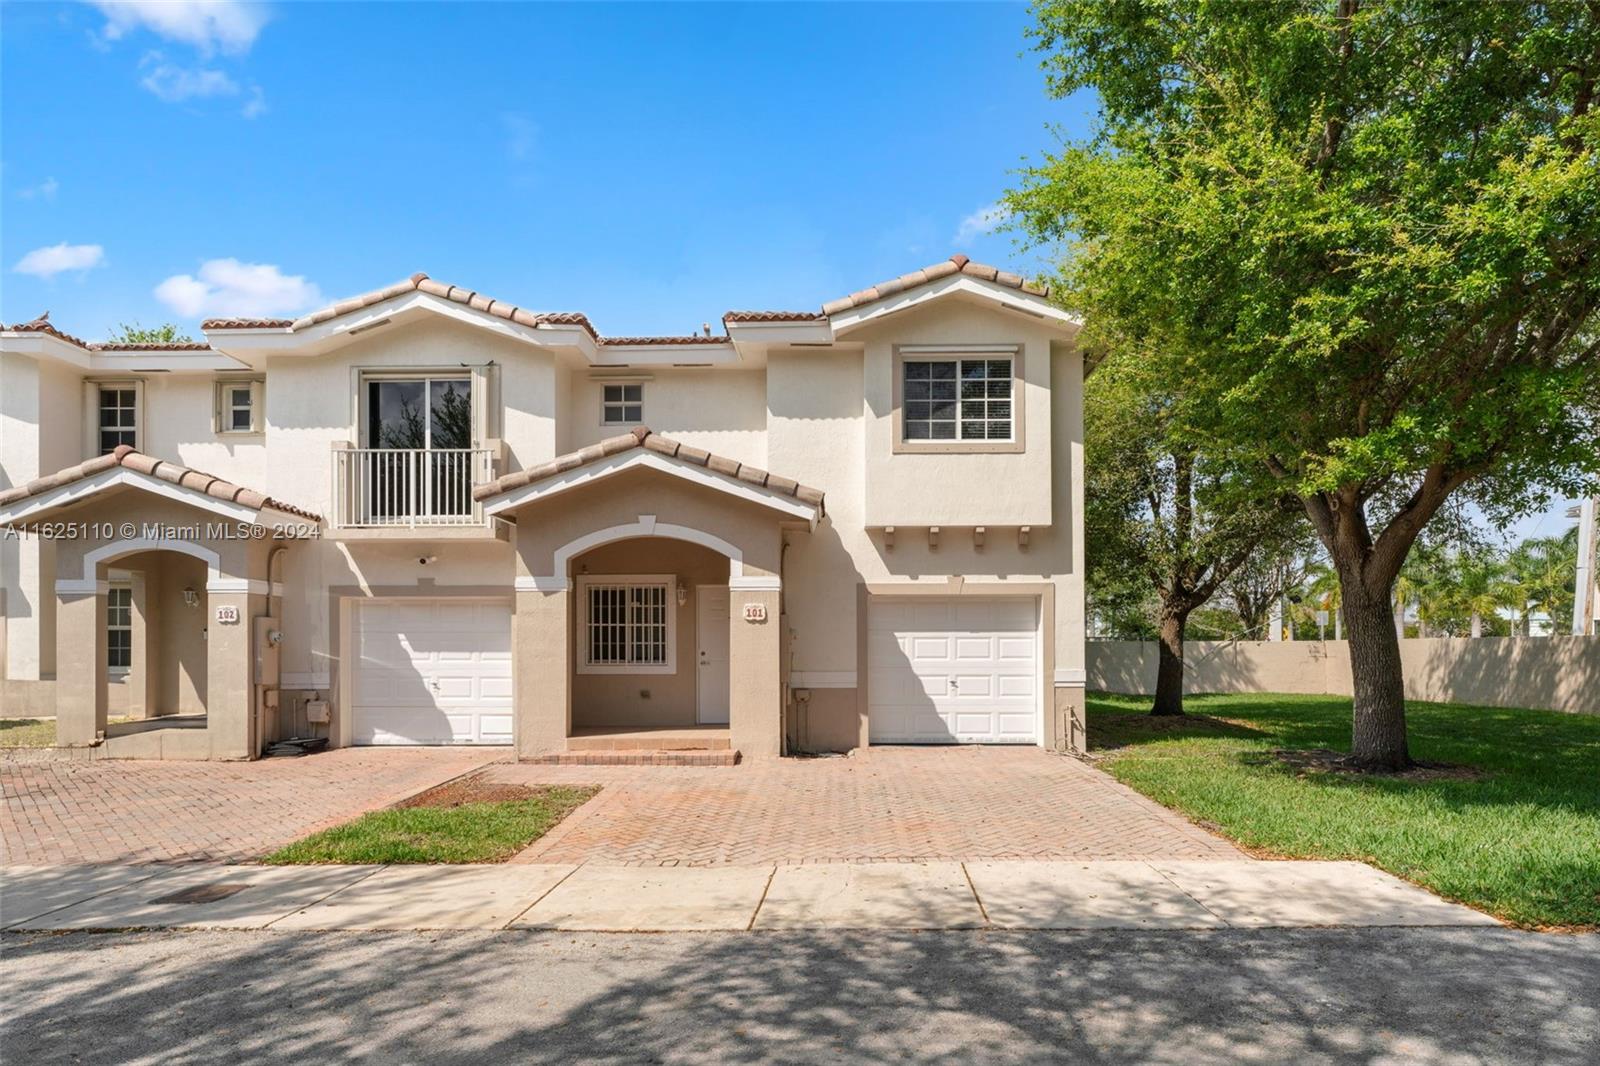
27,732
471,832
1521,840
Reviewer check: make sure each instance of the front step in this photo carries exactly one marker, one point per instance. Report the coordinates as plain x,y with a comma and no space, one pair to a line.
635,757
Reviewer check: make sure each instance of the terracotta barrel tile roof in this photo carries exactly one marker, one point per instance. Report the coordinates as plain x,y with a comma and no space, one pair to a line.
642,437
175,473
246,323
772,316
956,264
42,324
688,338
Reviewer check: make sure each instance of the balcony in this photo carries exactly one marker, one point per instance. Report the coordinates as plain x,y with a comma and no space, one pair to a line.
398,488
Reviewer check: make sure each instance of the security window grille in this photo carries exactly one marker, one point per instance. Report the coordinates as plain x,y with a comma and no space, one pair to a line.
117,418
119,627
957,399
622,405
628,625
241,417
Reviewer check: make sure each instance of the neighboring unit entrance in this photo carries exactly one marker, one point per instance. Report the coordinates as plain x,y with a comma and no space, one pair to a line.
711,654
432,672
943,670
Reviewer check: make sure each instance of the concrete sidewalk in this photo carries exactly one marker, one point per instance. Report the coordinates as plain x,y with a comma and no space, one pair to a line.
939,895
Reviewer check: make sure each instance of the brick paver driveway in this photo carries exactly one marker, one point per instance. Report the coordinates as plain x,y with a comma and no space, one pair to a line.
129,812
885,804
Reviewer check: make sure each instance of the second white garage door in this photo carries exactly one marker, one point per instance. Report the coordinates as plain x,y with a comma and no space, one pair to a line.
432,672
953,670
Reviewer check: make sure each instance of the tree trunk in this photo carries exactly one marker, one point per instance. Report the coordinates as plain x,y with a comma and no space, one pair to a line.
1378,738
1169,671
1477,624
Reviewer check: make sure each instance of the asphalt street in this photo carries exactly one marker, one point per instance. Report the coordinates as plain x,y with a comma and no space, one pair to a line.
1369,996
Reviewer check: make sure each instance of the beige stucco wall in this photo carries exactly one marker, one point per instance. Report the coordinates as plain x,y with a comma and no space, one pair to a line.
1551,673
830,426
722,411
618,699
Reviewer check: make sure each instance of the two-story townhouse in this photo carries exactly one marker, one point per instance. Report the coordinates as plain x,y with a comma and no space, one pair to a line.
431,517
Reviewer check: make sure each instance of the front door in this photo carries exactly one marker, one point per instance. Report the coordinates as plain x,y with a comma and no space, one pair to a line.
711,653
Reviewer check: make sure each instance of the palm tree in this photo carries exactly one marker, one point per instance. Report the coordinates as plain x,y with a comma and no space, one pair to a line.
1543,569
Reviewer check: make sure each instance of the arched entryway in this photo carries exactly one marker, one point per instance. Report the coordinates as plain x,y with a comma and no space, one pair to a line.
650,653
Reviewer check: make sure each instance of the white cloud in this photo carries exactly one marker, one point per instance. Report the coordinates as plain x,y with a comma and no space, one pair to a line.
229,288
256,106
209,25
59,258
983,220
174,84
45,190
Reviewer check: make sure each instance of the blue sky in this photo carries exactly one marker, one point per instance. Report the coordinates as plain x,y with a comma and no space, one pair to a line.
650,165
653,166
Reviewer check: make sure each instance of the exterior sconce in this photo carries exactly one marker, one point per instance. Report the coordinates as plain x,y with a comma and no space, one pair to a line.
191,598
683,594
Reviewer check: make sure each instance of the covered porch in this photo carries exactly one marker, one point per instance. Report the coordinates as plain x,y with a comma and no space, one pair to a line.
166,634
649,612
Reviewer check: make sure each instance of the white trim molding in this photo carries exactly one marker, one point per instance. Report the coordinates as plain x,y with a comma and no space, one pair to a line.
822,679
253,586
121,475
1070,678
647,526
756,581
612,465
543,584
117,549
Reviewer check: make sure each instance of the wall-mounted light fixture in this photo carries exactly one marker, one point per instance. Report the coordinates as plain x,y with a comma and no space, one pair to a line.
683,594
191,598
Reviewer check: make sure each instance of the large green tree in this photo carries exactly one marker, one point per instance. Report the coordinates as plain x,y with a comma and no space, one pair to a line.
1375,227
1162,515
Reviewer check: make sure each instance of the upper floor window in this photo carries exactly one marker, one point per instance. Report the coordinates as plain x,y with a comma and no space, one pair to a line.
119,406
238,407
957,399
622,405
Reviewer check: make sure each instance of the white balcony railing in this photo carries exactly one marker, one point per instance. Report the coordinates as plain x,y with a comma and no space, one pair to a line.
409,486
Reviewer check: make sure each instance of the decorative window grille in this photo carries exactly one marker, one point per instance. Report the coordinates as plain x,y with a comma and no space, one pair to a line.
628,624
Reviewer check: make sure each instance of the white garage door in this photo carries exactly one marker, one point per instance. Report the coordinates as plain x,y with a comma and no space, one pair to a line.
957,670
432,672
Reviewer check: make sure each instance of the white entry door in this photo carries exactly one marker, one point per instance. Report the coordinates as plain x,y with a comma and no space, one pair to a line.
953,670
711,653
432,672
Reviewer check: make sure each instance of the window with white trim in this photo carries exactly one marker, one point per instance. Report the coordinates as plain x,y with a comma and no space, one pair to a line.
629,624
238,405
957,399
119,628
119,407
622,405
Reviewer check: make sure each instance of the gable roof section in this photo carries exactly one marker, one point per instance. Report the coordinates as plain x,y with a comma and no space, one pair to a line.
42,324
652,448
956,264
105,470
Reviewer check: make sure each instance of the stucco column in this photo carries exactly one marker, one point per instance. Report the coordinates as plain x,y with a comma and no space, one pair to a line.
81,667
754,691
228,685
541,671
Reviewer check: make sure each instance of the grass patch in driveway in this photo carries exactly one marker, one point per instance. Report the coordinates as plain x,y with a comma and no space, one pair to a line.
471,820
27,732
1505,816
